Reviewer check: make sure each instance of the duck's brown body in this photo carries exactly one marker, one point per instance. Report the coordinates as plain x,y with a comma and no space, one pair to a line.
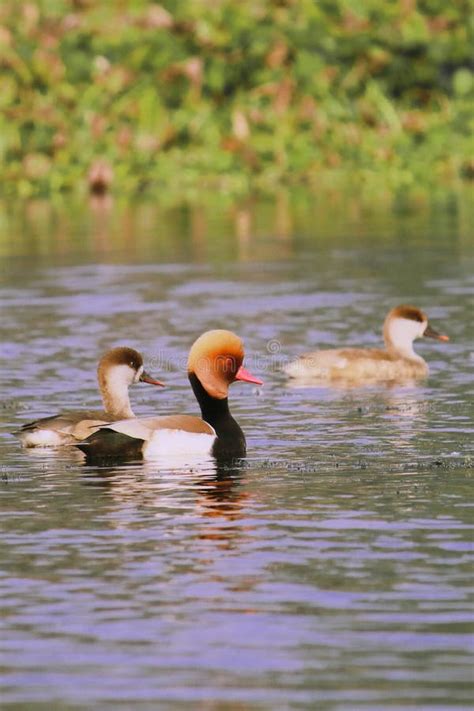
356,364
397,362
117,370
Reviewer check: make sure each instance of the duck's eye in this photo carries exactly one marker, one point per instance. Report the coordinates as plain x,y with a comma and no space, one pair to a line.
132,364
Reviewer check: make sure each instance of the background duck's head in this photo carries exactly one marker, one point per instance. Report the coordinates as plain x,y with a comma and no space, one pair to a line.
403,325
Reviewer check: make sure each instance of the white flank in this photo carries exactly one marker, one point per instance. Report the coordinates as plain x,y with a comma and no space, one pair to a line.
177,446
43,438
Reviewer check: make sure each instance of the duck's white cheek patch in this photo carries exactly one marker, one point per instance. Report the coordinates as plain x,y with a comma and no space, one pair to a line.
170,444
120,377
403,331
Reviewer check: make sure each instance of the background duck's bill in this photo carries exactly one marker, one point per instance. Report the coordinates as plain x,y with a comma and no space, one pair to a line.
431,333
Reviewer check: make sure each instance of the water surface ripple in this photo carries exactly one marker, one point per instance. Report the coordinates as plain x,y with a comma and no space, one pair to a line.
331,569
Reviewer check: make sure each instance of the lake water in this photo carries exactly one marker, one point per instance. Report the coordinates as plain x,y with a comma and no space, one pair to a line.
332,569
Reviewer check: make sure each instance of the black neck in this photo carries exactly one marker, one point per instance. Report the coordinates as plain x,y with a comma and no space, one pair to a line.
215,411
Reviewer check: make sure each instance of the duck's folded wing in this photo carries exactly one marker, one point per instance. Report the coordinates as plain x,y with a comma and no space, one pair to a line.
144,427
85,427
64,421
61,429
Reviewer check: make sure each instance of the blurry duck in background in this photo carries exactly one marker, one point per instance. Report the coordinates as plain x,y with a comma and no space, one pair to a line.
117,369
214,363
398,361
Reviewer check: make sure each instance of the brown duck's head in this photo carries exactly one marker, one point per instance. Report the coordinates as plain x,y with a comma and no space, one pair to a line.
216,359
124,365
404,323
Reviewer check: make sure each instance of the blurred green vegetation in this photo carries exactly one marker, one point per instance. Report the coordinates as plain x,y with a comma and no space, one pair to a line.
189,95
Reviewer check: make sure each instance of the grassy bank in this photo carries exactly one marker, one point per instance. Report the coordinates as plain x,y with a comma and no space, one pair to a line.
219,95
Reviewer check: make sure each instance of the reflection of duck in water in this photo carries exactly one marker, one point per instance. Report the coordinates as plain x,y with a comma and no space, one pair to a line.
398,361
117,370
215,362
214,492
407,415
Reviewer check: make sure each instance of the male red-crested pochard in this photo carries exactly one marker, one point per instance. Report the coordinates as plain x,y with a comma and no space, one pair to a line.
117,369
398,361
214,363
